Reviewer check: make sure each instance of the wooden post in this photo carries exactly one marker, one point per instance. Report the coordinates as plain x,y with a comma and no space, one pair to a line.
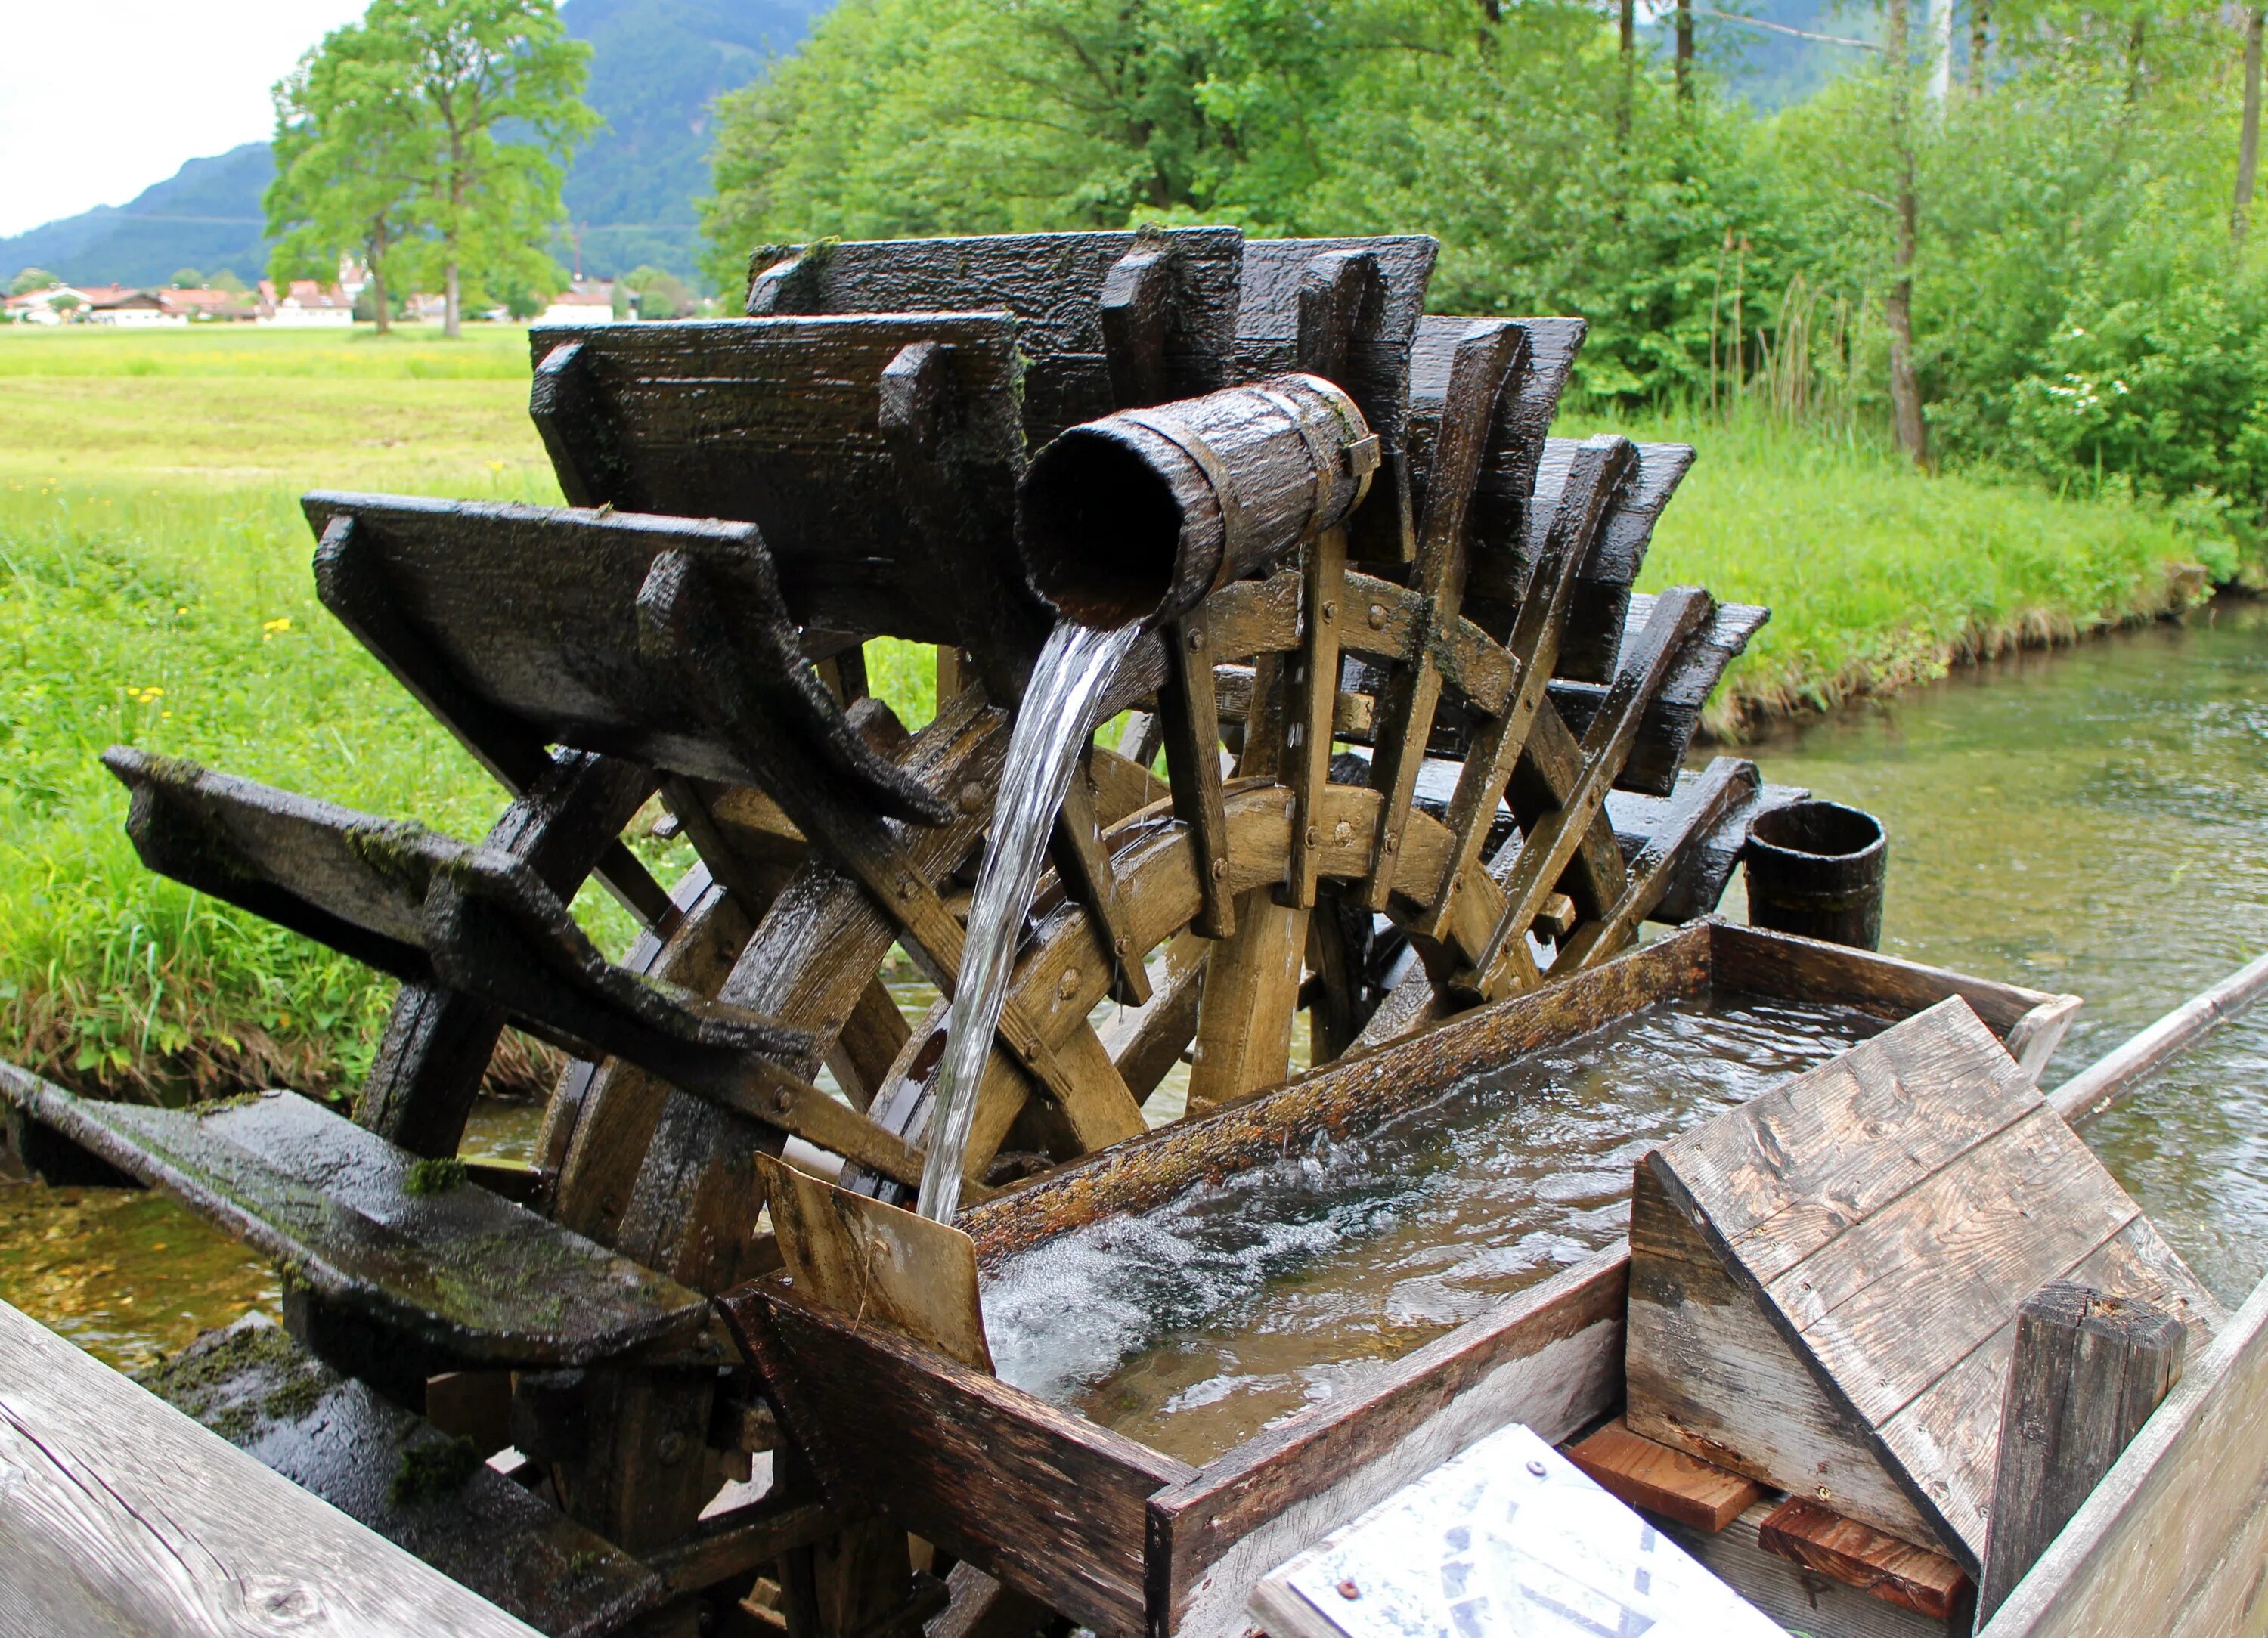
2088,1370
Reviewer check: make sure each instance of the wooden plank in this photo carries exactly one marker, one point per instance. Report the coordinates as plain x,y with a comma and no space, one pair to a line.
1316,685
1352,1095
1602,592
1896,1572
2110,1076
744,1538
1039,1498
400,1475
1192,722
125,1517
2173,1538
467,1272
1699,806
1708,1374
1675,719
1801,1599
1250,996
1664,1481
1766,963
2087,1369
877,1263
1052,283
1549,1357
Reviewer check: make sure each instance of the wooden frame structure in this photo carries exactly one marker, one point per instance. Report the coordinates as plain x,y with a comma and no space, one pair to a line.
1123,1539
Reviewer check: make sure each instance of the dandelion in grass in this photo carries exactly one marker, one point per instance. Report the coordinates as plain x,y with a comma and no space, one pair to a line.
274,628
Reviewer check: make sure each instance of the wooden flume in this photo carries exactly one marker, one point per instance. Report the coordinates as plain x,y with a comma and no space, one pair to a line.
1424,757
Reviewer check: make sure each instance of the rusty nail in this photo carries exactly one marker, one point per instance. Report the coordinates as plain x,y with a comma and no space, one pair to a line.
1221,870
1348,1589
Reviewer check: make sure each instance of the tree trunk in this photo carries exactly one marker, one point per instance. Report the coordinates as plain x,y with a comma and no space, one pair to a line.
2248,140
2136,40
378,286
450,326
1980,17
1940,52
1627,52
1897,306
1684,59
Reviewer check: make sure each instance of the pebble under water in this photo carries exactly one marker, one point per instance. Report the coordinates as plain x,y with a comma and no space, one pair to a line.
1193,1327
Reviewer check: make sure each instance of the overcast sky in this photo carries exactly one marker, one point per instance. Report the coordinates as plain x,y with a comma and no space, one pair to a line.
99,101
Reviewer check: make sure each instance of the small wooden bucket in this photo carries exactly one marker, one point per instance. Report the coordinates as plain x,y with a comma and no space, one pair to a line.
1817,869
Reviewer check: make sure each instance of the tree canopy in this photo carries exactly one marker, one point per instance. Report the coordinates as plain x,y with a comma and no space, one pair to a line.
431,137
2058,202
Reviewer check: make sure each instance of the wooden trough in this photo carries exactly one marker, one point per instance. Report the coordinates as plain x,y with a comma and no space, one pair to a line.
1124,1538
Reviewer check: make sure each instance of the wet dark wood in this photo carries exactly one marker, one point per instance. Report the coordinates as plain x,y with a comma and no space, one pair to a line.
1602,586
456,1267
2088,1367
747,1538
1674,717
1191,716
1041,1499
398,1474
1294,313
1052,284
125,1517
1695,812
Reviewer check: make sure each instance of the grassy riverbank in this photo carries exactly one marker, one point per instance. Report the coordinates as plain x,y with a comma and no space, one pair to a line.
158,594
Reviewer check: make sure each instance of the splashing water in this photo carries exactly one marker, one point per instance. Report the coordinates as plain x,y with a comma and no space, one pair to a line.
1054,722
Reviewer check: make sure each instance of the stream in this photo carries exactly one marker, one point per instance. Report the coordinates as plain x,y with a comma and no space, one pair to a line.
2093,820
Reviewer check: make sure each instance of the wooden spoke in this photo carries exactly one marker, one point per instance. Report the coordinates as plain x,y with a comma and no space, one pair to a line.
1192,733
1317,684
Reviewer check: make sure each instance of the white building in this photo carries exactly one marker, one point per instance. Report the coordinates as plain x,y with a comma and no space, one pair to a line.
587,301
139,310
306,305
40,306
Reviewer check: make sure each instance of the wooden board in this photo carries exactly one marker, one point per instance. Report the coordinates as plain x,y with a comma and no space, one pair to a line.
878,1264
1053,284
1802,1600
1662,1480
1882,1566
399,1474
1674,716
464,1271
122,1516
2174,1538
1043,1500
1877,1221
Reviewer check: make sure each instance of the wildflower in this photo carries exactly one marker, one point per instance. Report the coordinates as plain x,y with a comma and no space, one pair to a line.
496,465
274,628
145,696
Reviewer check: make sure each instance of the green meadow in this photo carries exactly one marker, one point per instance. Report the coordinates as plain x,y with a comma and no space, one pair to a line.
158,595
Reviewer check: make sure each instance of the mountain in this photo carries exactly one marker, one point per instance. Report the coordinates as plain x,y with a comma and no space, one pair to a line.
205,215
655,66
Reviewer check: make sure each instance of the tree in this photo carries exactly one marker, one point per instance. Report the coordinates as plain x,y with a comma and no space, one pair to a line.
187,279
2248,141
32,279
227,280
660,293
349,141
496,86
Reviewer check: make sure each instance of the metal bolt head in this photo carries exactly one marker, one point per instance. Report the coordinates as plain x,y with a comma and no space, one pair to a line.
1221,870
1067,986
972,796
1197,640
1535,1467
1330,611
1378,617
1348,1589
1315,838
1342,833
671,1448
1122,946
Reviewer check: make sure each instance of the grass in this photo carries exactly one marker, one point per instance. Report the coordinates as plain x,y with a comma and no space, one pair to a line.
1878,578
158,594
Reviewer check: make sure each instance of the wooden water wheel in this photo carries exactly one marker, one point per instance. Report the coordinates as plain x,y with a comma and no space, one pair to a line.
1386,743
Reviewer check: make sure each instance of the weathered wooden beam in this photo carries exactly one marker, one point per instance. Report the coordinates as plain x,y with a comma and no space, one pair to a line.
2089,1369
2110,1077
1695,812
414,1483
1662,1480
1192,723
2173,1537
1883,1567
1041,1499
124,1516
370,1228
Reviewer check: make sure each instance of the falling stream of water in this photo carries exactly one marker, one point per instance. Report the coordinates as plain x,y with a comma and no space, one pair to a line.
1056,717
